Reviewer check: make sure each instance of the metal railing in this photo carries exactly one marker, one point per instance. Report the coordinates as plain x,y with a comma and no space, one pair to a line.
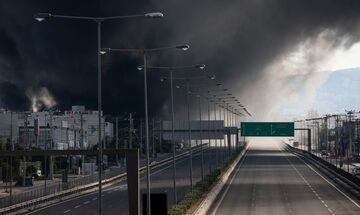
59,186
53,189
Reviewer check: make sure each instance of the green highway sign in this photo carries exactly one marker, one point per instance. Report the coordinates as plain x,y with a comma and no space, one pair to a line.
267,129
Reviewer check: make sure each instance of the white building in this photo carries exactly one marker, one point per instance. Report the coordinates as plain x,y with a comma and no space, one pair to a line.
9,126
74,129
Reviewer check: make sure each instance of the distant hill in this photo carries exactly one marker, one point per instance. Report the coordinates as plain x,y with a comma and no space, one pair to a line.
340,91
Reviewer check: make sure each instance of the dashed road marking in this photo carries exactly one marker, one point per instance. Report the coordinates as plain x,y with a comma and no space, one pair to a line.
331,184
77,206
87,202
308,184
67,211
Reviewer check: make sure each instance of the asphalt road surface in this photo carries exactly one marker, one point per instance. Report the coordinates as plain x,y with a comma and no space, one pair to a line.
115,197
275,182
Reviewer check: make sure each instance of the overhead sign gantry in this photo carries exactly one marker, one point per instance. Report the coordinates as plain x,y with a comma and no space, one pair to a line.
267,129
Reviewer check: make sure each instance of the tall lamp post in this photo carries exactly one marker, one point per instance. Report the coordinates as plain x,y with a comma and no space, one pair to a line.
171,70
182,47
212,77
98,20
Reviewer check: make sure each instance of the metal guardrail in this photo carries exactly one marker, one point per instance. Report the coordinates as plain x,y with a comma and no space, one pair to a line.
38,196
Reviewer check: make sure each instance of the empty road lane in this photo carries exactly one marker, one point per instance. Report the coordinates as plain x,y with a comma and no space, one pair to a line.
273,181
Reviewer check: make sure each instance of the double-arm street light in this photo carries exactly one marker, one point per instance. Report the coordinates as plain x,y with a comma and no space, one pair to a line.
145,51
98,20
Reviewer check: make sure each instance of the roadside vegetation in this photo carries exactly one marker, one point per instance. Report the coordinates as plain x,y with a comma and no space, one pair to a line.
202,188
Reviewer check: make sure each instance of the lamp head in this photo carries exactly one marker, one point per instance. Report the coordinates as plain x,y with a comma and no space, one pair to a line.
105,50
212,77
201,66
41,16
140,68
154,15
183,47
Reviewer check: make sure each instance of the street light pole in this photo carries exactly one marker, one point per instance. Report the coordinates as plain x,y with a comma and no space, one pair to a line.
144,52
209,153
216,141
117,138
147,138
201,143
100,156
172,135
189,133
41,17
171,70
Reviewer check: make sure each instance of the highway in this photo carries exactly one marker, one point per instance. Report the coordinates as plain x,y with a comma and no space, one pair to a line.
272,181
115,197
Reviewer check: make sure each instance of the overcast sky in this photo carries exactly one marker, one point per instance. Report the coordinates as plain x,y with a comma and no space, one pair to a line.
268,53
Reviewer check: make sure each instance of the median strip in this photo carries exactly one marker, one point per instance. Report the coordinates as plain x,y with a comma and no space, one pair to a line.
198,202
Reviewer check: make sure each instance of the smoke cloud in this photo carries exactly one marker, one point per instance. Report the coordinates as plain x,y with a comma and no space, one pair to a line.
266,52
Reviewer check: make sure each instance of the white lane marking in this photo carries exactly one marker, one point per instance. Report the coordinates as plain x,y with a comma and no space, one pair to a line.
331,184
87,202
228,186
306,181
67,211
77,206
94,198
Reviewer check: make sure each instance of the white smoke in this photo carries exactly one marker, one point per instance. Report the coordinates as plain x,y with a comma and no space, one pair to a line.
40,99
288,85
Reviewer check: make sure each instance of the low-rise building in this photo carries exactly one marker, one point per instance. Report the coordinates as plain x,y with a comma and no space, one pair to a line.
73,129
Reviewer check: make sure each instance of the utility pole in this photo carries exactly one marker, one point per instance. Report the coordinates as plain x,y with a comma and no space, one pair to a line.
130,130
45,166
349,151
160,136
350,132
141,136
328,150
82,146
117,138
153,139
337,139
51,165
11,158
